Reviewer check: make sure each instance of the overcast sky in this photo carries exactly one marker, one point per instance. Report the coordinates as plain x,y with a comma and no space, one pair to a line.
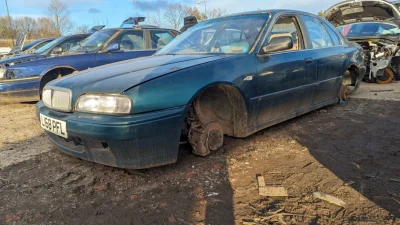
113,12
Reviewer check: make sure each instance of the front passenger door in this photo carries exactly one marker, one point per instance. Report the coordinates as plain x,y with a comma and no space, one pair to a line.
132,45
67,44
285,78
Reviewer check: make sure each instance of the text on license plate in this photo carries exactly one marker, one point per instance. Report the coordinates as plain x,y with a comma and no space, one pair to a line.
54,126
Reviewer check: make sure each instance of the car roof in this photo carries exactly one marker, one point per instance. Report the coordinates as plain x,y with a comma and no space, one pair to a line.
143,27
76,35
46,39
269,11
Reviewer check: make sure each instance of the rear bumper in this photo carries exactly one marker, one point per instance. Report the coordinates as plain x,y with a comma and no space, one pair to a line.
134,142
25,90
361,73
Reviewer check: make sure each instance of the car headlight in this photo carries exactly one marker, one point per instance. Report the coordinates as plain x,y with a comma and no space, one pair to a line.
2,73
13,74
104,103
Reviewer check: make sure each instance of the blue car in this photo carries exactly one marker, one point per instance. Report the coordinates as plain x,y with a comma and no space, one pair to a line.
24,87
230,76
25,81
31,47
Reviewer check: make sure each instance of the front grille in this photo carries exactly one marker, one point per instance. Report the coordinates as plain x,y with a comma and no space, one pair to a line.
57,98
61,100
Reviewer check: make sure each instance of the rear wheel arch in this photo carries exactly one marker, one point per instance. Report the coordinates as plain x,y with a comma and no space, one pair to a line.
354,73
350,79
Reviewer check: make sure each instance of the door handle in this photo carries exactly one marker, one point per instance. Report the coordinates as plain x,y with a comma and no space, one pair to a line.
308,61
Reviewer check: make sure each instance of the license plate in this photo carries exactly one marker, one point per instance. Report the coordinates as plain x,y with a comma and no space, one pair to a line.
54,126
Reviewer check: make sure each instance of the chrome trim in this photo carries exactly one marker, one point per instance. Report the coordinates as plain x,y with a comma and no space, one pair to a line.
35,78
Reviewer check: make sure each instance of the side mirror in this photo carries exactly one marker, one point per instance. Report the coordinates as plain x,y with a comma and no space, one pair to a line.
57,51
278,44
113,47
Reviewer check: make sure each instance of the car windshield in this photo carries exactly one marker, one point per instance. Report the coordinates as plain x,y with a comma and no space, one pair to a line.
231,35
369,29
30,45
93,42
49,45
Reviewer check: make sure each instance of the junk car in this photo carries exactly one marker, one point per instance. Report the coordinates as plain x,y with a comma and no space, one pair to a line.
374,24
25,81
248,75
21,87
31,47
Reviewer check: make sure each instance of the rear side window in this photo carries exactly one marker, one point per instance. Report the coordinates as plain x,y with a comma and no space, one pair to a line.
318,35
333,34
160,38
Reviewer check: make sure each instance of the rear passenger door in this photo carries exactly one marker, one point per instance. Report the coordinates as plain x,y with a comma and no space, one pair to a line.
329,56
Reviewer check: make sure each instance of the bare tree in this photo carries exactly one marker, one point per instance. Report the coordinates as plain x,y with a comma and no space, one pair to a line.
215,13
27,25
157,19
211,14
59,16
4,28
194,11
174,14
45,28
34,28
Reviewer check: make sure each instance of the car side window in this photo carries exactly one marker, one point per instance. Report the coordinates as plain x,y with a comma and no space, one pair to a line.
131,40
41,44
287,26
333,34
318,35
160,38
66,45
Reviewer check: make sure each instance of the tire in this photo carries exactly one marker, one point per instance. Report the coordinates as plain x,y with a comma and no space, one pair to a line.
344,93
387,78
344,89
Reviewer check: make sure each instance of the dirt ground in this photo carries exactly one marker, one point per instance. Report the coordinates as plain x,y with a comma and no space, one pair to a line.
350,151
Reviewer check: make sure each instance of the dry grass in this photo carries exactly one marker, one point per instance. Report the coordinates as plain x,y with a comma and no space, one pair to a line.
5,43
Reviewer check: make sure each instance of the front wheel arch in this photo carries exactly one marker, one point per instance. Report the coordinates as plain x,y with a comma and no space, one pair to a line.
53,74
222,93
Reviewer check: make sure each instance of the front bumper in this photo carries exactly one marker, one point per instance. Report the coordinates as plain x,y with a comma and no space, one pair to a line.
21,90
134,141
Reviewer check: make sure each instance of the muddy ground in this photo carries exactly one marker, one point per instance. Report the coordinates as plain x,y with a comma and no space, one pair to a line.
349,151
